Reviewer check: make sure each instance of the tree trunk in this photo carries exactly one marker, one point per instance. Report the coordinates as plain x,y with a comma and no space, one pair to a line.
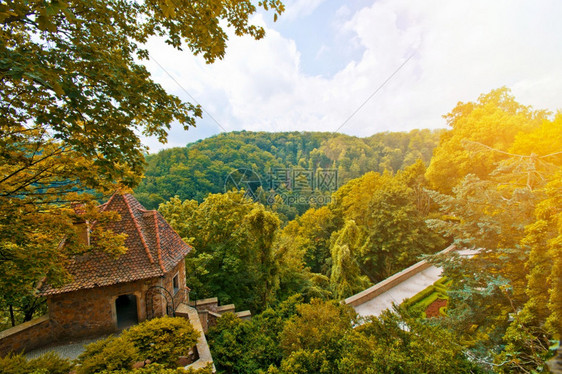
12,315
28,314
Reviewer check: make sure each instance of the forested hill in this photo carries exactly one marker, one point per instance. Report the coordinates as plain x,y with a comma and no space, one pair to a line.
200,168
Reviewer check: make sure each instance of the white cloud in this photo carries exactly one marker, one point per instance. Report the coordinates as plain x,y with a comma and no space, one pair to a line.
462,49
295,9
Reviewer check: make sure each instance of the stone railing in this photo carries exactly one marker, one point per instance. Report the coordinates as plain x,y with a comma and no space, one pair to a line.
27,336
203,350
385,285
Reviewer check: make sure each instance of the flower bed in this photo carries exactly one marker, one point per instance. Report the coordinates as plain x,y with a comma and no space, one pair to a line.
432,301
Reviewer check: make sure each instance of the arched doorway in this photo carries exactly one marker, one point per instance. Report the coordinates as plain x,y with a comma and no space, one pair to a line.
126,308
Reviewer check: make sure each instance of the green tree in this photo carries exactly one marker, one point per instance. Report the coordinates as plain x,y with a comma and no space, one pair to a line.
346,277
200,168
384,207
481,215
544,237
240,346
326,337
262,229
540,319
397,342
312,339
502,310
234,257
74,98
61,82
304,252
309,238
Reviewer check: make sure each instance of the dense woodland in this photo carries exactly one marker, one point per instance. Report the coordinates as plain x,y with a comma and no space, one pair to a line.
200,168
71,114
493,183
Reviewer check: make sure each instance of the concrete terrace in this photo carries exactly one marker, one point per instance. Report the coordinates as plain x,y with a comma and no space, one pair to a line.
402,291
399,287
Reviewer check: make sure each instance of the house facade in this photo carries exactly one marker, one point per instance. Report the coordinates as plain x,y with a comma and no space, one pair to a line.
110,293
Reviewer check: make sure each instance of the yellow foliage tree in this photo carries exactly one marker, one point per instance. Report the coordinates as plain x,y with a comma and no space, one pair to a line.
493,121
73,101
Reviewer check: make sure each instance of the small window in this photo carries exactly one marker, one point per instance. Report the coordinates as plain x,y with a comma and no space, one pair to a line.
176,284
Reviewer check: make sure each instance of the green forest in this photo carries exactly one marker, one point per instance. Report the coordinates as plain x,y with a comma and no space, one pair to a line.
290,265
285,246
479,190
201,168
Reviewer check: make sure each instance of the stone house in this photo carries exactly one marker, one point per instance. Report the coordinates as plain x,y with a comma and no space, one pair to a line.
108,293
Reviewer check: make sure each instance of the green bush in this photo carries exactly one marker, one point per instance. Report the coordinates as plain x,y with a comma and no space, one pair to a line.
13,364
49,363
107,354
424,298
161,340
159,369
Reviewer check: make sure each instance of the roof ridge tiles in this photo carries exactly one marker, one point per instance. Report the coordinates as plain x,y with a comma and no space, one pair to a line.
158,248
137,226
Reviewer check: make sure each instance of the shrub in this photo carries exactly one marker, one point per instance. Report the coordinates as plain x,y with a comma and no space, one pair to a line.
159,369
107,354
49,363
161,340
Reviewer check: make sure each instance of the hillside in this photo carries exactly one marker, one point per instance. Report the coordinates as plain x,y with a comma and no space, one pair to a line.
201,168
493,182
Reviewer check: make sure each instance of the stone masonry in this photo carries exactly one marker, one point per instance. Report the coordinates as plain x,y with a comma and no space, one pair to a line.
87,307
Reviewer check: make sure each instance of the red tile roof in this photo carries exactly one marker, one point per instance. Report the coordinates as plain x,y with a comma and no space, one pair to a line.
153,249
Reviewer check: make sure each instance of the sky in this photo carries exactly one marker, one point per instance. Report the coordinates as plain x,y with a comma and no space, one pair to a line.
361,67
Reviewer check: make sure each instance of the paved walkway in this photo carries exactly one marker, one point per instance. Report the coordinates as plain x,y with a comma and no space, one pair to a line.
400,292
399,287
70,350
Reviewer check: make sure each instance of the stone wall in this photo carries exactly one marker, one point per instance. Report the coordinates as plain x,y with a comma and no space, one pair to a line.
204,307
181,295
160,298
92,311
209,311
385,285
203,350
27,336
390,282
